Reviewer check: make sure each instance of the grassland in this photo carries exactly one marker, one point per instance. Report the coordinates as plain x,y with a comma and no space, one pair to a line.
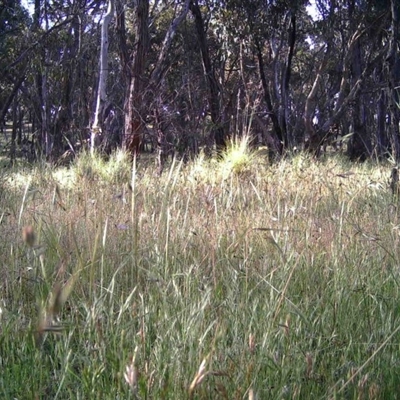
230,279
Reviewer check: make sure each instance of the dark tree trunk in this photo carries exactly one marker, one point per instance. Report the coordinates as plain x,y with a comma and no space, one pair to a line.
42,107
360,142
381,137
156,78
382,142
215,109
13,146
122,45
268,100
394,80
134,106
124,56
10,98
313,141
286,81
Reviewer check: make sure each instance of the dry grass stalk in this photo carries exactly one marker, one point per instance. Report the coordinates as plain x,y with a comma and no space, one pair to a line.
59,295
57,197
309,362
131,373
286,325
199,377
361,386
252,343
46,324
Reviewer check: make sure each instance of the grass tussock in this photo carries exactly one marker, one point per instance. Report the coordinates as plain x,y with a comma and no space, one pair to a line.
238,158
227,278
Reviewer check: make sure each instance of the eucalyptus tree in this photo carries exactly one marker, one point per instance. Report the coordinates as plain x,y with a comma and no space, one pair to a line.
219,132
193,72
61,87
101,99
14,23
269,31
143,72
353,44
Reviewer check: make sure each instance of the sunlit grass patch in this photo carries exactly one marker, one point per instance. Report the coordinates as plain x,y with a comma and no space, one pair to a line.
238,158
202,170
94,167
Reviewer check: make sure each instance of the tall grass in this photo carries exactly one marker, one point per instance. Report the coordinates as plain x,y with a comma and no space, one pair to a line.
216,280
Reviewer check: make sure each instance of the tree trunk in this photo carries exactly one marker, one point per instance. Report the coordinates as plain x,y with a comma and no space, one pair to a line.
382,143
13,146
288,137
359,144
134,105
10,98
381,137
214,90
45,139
268,100
313,141
349,92
159,69
155,80
121,33
98,120
394,80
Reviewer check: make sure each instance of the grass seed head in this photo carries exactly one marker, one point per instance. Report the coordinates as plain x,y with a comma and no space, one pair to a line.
131,373
201,374
131,377
252,395
252,343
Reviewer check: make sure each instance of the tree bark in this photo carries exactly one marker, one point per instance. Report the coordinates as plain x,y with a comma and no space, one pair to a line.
288,137
268,100
359,147
349,89
122,44
156,78
42,78
159,69
394,80
10,98
313,141
134,105
101,101
359,143
214,90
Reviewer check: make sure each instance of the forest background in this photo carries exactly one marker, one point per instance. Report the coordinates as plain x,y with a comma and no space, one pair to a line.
181,76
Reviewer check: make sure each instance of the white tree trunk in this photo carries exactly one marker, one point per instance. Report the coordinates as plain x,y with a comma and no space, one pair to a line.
103,74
